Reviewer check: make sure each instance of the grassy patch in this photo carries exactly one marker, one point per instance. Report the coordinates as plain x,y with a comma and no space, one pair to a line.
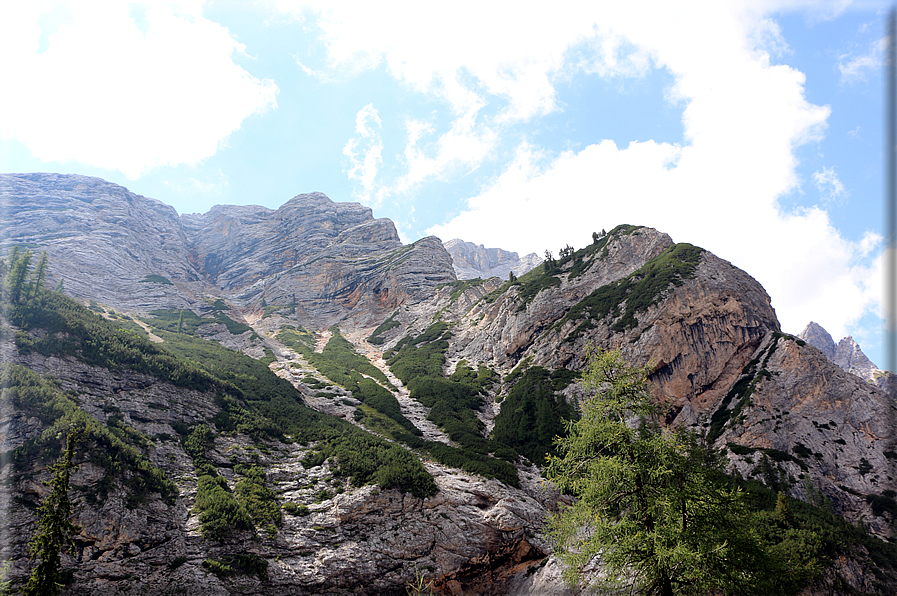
635,293
376,337
156,279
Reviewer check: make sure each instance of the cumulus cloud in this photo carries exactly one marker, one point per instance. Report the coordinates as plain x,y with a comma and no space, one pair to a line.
115,93
719,189
365,154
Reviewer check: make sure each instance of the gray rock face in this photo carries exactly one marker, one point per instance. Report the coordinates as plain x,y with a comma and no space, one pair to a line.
332,258
102,239
848,355
835,429
815,335
471,260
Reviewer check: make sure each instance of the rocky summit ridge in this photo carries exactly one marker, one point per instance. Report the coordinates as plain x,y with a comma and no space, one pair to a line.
327,298
471,260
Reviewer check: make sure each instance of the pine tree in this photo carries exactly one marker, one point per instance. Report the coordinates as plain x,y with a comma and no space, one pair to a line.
40,274
651,503
55,530
18,273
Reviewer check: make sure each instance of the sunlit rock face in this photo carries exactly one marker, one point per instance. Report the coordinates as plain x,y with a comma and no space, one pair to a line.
714,350
136,254
848,355
475,260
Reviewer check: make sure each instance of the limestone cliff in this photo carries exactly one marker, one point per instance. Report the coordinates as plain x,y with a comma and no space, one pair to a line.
783,411
848,355
471,261
135,254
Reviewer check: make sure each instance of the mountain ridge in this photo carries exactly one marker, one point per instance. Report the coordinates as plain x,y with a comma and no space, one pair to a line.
718,361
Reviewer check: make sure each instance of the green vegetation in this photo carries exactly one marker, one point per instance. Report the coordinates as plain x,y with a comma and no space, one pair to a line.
252,399
665,517
156,279
639,290
186,321
376,337
248,564
56,532
460,286
532,415
340,363
418,362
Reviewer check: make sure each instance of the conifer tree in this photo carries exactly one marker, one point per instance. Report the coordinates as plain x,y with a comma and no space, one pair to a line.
55,529
40,274
652,503
18,273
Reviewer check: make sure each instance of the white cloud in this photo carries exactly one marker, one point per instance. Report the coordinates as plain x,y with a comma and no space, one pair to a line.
365,154
108,93
829,185
743,118
858,68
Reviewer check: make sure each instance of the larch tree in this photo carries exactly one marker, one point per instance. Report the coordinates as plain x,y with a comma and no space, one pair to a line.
653,510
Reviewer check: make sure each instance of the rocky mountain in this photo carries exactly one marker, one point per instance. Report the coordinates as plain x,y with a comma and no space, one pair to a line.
848,355
471,261
375,425
135,254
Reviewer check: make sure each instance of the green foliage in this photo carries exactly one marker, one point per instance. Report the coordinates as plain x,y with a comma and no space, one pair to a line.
532,415
187,321
219,512
156,279
72,330
339,351
258,500
376,337
109,447
244,564
340,363
638,291
482,379
654,503
418,362
460,286
55,530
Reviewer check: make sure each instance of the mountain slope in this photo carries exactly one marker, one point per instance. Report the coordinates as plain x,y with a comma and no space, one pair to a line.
484,368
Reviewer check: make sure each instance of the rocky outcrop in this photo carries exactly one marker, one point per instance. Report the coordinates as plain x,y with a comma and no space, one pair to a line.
322,260
475,260
825,432
103,241
697,336
848,355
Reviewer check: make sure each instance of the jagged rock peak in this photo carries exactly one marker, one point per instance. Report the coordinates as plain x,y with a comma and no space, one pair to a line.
847,355
815,335
475,260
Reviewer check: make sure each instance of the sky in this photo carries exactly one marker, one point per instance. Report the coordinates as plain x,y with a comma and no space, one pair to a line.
750,128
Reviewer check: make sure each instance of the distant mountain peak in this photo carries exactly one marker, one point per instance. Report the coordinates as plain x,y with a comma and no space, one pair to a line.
475,260
846,354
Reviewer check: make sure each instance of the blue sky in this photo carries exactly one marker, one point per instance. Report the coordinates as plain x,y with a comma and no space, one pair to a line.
752,129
